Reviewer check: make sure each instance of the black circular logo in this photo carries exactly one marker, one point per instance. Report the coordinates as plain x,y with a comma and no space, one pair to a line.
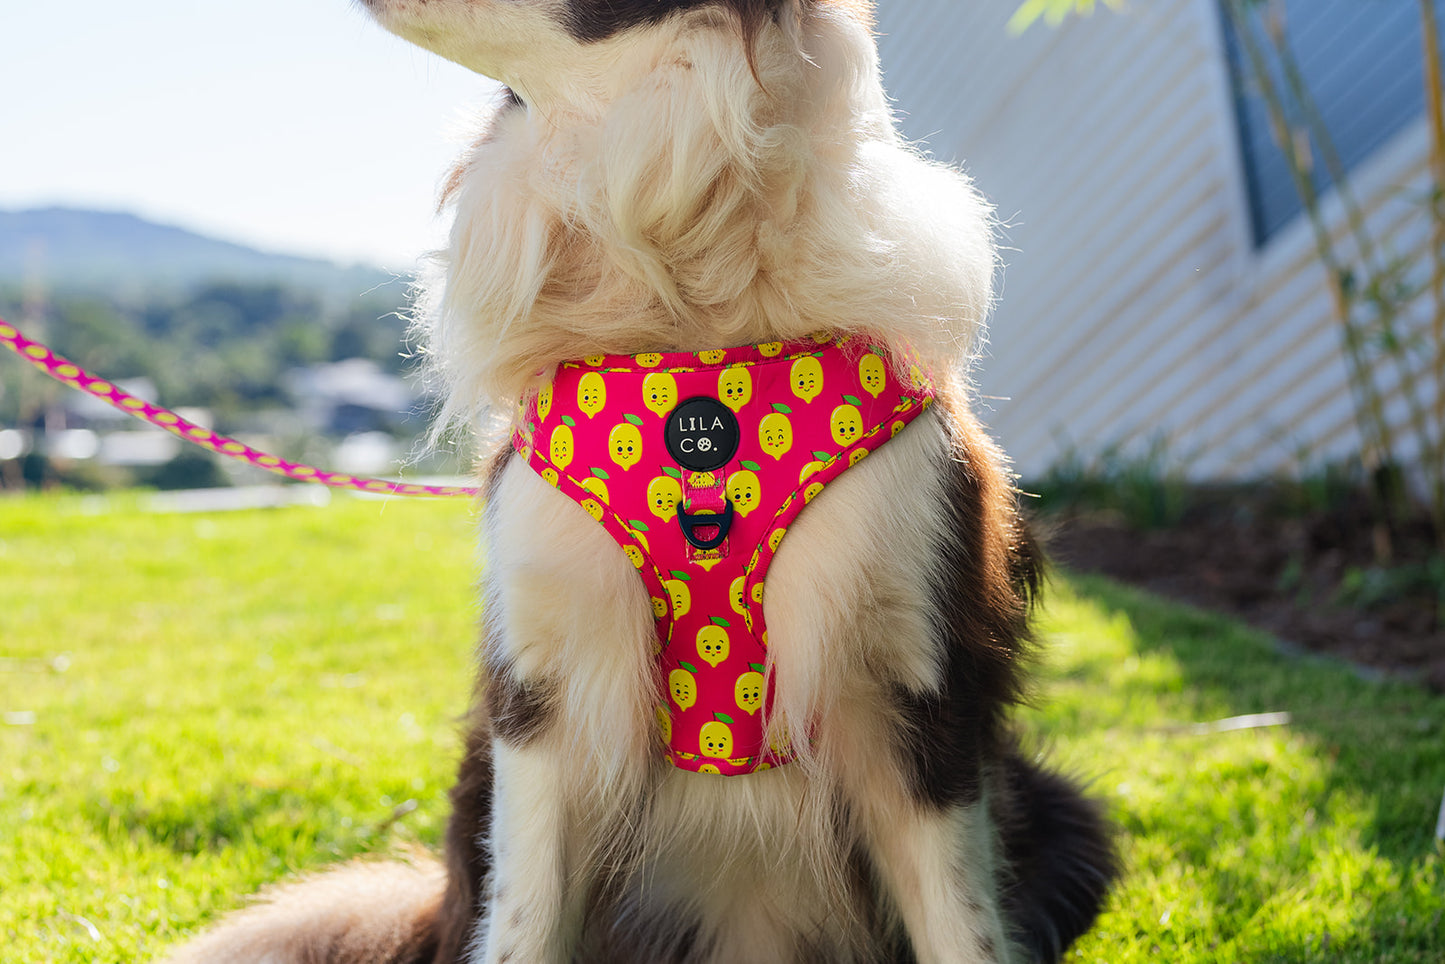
702,434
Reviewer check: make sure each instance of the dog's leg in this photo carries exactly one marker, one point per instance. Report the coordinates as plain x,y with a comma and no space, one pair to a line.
939,868
569,693
530,916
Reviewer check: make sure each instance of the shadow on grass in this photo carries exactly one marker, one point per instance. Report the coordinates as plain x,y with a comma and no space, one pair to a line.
1385,739
1319,848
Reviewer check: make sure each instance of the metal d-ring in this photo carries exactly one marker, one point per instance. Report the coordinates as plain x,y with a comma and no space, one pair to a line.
690,522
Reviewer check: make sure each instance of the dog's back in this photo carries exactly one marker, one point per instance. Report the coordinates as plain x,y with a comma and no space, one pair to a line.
687,176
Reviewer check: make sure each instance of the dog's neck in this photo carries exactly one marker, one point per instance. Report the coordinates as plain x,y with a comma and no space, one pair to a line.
701,209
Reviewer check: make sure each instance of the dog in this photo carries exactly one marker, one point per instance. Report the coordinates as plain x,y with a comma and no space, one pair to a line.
706,180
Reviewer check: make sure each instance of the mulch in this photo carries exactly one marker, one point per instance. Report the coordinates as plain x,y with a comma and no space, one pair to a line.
1283,575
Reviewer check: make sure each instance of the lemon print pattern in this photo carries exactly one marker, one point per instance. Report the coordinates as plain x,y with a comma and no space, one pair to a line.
562,446
872,374
744,491
624,444
716,739
712,645
659,393
807,378
775,434
799,413
748,690
591,394
663,495
682,684
597,487
735,387
846,424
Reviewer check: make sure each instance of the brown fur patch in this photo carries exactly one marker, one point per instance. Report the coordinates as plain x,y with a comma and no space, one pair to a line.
981,597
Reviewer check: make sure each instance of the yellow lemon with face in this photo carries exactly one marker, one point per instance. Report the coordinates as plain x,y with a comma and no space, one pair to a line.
664,723
895,428
872,374
544,401
812,468
624,444
744,491
775,434
715,740
659,393
591,393
663,495
856,456
702,480
713,645
771,349
758,594
779,739
776,539
550,475
709,768
634,555
811,492
593,507
806,378
641,539
681,598
748,692
683,688
846,424
562,446
597,487
649,359
595,360
735,387
659,607
735,591
712,356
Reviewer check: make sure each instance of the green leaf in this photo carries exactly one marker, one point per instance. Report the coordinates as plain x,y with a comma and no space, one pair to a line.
780,407
671,472
756,667
600,474
681,575
852,400
823,456
638,524
752,466
569,421
633,419
719,621
687,666
723,718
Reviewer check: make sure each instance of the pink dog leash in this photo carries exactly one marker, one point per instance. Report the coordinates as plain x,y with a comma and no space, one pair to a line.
71,374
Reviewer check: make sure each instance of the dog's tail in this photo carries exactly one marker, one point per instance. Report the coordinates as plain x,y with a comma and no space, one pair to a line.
1060,850
363,913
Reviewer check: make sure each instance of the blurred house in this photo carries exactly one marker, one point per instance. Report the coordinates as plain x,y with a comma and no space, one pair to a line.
1160,280
352,396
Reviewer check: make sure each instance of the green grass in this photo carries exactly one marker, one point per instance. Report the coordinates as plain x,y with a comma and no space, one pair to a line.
197,705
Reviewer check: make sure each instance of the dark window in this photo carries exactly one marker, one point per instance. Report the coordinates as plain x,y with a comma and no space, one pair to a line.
1362,65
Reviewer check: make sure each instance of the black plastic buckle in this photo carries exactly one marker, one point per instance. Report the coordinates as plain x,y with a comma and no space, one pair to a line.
723,522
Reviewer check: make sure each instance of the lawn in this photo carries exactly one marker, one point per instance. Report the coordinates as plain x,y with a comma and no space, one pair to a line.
194,705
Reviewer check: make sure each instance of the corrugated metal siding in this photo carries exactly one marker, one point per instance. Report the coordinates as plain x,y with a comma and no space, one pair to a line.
1133,303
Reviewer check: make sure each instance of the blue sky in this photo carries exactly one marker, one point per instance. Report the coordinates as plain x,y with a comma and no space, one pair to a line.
292,125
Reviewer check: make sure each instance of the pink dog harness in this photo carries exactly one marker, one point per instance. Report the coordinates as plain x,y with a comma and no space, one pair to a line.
696,464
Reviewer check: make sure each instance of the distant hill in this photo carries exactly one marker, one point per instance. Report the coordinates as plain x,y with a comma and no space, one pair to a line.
69,248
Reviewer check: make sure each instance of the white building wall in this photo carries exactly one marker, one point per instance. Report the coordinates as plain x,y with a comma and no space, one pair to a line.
1133,304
